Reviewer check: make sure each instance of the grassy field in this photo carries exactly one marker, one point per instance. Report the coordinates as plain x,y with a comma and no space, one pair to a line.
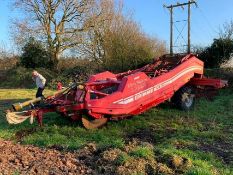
203,136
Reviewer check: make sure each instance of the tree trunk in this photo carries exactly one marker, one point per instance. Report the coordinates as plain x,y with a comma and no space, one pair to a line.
54,55
55,60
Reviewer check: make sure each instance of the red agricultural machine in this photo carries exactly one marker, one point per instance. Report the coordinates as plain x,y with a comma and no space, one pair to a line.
107,96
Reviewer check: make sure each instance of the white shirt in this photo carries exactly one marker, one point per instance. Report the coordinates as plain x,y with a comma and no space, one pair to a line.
40,81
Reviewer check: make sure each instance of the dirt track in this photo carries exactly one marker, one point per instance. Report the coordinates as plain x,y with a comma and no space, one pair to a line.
20,159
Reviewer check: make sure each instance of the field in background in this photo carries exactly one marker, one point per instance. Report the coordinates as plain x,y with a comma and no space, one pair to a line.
197,142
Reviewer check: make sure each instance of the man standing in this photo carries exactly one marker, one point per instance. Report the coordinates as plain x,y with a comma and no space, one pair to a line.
40,83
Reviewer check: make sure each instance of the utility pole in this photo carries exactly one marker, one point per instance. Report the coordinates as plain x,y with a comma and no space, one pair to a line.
171,8
171,30
189,27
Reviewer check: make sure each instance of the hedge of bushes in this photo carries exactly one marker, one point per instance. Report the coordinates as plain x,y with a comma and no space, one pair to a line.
21,77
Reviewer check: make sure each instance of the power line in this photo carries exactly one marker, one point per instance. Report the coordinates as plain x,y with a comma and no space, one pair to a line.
202,28
207,20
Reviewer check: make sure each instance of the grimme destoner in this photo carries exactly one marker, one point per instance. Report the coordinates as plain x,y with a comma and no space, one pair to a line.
107,96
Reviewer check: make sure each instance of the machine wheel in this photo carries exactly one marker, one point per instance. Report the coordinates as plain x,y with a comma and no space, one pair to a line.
184,98
90,123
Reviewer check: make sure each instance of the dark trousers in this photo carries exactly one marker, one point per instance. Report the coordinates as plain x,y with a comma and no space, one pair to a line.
39,92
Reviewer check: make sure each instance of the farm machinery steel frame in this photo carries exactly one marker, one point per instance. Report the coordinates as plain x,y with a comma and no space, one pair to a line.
107,96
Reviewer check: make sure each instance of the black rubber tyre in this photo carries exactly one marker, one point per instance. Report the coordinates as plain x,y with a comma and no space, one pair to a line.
184,98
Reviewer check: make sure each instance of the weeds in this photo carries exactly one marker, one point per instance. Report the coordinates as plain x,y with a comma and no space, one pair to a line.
203,136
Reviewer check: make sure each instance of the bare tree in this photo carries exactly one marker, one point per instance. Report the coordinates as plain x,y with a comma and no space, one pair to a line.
226,31
92,46
96,29
56,22
116,40
127,47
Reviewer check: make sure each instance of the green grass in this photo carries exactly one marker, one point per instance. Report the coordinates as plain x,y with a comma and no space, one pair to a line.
204,135
122,158
143,152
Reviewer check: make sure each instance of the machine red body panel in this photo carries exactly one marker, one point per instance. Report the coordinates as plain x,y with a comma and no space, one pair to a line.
137,91
132,92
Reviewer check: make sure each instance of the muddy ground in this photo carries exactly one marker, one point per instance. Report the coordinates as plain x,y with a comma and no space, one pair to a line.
18,159
27,159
